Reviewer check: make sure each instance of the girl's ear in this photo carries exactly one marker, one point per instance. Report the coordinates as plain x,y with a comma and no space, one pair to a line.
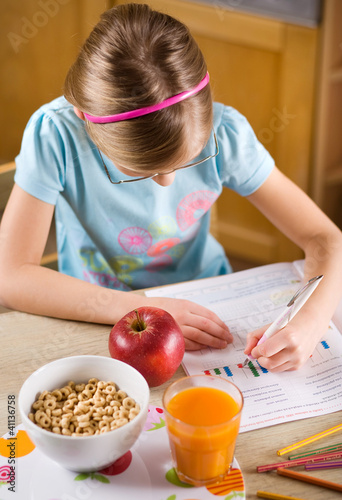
79,113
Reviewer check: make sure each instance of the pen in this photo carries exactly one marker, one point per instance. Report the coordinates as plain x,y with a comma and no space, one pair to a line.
295,304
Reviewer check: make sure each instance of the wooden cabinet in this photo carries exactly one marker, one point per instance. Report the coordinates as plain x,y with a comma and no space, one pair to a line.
327,159
266,69
39,41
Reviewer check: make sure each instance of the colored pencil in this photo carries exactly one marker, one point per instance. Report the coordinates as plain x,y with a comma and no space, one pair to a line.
310,439
300,461
275,496
330,464
317,451
309,479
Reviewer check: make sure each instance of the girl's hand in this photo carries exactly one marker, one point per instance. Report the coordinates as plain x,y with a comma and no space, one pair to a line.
200,326
288,349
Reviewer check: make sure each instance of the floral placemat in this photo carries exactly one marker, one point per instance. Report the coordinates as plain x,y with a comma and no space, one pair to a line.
143,473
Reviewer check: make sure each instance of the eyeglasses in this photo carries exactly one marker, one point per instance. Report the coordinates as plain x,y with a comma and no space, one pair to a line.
136,179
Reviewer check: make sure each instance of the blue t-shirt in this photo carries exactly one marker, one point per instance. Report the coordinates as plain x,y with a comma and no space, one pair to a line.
136,235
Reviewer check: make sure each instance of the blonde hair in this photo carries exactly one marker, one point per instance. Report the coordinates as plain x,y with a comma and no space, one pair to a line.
136,57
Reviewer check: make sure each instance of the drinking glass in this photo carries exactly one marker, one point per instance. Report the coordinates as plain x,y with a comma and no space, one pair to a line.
202,415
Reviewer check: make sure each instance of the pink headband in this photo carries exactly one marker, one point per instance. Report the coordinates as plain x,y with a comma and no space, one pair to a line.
149,109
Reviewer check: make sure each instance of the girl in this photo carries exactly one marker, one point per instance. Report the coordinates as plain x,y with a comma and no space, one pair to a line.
131,160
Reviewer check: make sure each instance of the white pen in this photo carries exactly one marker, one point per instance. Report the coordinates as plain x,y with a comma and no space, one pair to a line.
295,304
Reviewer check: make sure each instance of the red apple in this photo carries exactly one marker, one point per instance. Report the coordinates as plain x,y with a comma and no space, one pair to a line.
150,340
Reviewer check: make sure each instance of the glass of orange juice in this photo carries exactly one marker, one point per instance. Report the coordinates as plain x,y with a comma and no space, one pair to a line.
202,415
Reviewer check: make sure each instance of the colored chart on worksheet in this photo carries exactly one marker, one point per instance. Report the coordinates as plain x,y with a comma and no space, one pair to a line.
246,301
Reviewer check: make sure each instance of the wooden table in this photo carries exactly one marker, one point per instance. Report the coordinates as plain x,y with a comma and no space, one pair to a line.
28,342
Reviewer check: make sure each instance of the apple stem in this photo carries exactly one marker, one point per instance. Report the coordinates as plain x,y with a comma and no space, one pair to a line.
141,325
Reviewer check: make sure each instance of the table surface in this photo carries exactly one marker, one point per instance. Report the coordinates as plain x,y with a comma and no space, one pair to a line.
28,342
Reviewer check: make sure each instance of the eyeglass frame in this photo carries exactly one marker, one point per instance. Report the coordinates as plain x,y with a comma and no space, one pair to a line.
136,179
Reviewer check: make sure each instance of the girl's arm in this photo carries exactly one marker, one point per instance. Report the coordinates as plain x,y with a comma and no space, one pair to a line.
297,216
26,286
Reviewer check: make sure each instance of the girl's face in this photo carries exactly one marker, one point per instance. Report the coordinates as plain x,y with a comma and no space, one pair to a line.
167,178
161,179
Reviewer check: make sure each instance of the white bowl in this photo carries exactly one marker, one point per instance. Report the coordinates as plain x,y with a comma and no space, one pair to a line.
85,453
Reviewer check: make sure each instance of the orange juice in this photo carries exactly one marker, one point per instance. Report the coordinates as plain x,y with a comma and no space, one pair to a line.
203,424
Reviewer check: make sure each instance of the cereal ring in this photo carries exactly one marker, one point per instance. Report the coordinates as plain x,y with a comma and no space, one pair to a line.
66,432
83,407
93,381
45,421
104,424
56,430
90,387
107,418
38,415
43,394
115,404
83,425
88,431
121,421
65,422
128,403
83,418
57,394
120,414
133,413
99,401
120,395
38,404
79,387
69,404
57,412
65,391
110,389
83,397
56,421
50,404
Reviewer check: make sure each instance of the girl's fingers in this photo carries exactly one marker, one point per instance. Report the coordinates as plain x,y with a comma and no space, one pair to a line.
274,367
199,339
253,338
208,327
208,321
270,347
192,345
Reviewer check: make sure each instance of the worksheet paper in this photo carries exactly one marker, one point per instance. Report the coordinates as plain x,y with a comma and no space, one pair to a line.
245,301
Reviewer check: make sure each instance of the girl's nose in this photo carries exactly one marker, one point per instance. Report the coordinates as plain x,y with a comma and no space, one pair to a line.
165,180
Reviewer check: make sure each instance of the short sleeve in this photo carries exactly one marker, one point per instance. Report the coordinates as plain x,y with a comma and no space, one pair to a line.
243,163
40,165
